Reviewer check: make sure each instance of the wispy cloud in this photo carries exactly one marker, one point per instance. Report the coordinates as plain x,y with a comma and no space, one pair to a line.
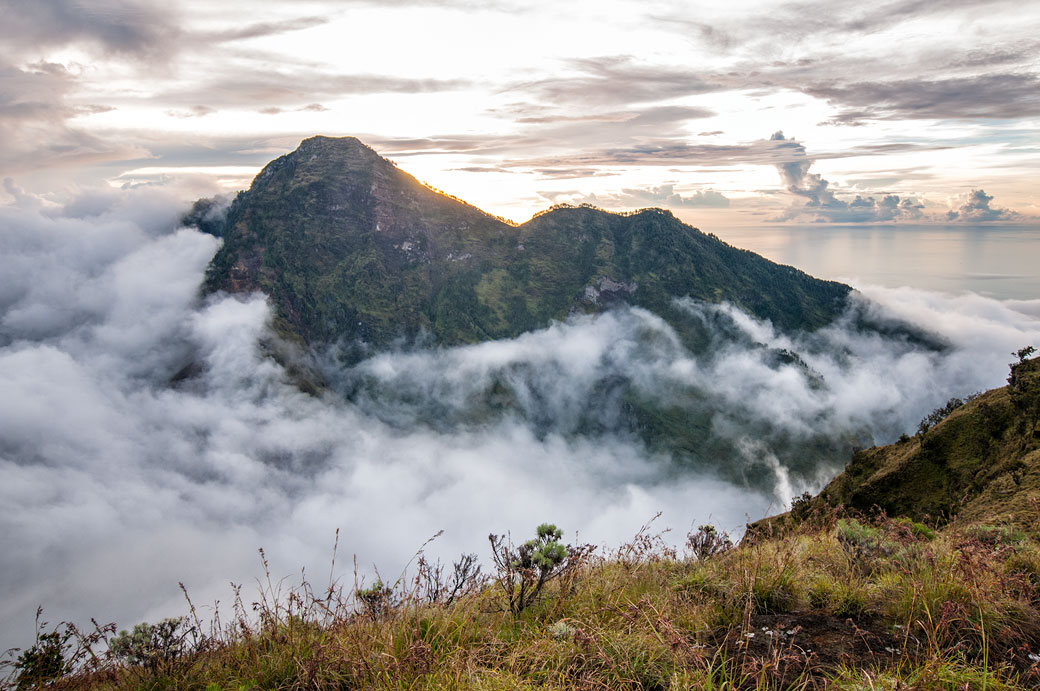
620,80
124,27
632,198
998,96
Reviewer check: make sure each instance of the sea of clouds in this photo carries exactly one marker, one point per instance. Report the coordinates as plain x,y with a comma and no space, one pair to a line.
146,440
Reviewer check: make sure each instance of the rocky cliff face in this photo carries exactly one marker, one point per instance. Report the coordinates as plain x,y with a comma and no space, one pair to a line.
352,249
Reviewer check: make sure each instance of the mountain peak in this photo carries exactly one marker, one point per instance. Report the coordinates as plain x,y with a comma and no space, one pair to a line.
321,144
328,158
352,249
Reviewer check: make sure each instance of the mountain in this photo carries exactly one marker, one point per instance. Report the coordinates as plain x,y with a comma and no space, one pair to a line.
975,462
351,249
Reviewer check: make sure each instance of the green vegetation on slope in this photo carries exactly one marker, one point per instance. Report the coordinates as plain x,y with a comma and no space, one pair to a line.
980,463
352,249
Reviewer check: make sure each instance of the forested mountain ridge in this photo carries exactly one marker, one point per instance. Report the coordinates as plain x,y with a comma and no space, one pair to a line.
352,249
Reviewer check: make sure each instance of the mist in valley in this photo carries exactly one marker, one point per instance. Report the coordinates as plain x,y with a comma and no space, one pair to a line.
146,439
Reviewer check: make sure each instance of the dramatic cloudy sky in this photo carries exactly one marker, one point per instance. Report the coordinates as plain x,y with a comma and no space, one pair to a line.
741,112
119,478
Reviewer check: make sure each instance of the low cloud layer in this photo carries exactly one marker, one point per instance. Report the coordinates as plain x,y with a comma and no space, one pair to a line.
146,440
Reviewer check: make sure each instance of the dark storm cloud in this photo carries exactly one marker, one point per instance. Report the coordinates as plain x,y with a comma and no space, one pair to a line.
998,96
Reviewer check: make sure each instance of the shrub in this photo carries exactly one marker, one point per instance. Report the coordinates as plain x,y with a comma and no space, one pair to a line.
939,414
153,645
45,661
707,542
820,594
377,600
774,595
524,571
801,506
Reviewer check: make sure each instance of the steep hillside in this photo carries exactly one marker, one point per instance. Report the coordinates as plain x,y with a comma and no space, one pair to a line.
979,464
352,249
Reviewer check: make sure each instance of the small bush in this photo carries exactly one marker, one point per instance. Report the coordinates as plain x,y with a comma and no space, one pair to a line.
707,542
377,600
45,660
154,646
801,507
524,571
939,414
775,595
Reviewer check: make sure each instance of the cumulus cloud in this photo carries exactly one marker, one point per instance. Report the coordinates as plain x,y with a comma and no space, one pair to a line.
824,205
145,439
976,209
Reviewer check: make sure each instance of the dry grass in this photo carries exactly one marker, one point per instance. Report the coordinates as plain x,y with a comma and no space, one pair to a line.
844,605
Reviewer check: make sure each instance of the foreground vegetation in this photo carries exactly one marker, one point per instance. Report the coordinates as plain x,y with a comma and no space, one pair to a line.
845,603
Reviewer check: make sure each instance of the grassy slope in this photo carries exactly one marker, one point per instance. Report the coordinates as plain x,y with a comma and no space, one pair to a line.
839,606
980,464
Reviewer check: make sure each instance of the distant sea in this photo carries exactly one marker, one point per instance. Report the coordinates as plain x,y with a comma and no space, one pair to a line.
1001,262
